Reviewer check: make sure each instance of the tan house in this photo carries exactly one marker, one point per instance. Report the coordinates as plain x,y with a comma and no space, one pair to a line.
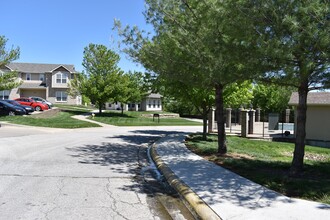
48,81
318,117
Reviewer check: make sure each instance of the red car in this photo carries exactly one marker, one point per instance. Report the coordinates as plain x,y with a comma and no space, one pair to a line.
38,106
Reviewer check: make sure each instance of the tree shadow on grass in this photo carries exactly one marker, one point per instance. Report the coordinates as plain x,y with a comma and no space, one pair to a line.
112,114
74,111
217,185
314,183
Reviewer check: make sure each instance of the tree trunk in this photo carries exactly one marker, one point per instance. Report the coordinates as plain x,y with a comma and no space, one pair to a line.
299,150
100,108
122,108
222,147
205,117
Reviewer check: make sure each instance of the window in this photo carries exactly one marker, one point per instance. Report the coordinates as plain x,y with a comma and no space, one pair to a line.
61,96
109,105
61,77
28,76
154,104
4,94
41,76
158,103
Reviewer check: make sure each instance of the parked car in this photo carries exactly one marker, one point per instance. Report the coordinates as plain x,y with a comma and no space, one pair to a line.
28,109
39,99
38,106
9,109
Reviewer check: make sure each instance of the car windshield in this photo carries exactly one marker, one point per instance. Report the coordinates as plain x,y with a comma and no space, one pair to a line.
40,99
7,104
13,102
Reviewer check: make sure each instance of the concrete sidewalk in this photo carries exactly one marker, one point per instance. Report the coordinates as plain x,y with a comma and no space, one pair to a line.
216,193
84,117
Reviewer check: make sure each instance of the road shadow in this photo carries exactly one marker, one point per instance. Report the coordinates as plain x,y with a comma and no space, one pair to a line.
124,155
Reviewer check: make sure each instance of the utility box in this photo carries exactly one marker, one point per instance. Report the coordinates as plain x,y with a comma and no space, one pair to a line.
273,119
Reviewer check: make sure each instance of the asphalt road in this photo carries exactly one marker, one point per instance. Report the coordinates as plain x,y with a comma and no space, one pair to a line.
92,173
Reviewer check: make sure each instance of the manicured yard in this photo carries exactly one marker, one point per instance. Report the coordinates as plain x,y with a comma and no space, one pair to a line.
131,118
61,118
268,163
54,118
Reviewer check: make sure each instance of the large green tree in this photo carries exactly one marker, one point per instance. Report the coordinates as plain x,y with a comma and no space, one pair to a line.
195,45
102,80
294,49
271,98
200,98
8,80
132,88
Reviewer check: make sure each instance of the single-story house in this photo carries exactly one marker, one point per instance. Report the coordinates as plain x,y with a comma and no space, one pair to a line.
48,81
151,102
318,117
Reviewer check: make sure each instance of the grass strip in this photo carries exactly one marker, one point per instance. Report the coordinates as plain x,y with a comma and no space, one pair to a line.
131,118
54,118
268,163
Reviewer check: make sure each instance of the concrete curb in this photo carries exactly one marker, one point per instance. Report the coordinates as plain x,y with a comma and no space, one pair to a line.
199,207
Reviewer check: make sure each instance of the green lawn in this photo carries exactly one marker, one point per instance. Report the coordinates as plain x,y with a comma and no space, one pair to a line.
54,118
268,163
132,118
61,118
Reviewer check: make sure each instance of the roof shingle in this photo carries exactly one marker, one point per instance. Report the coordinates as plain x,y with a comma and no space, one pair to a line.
38,67
313,98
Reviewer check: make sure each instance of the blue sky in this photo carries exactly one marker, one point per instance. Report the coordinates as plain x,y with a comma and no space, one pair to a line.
56,31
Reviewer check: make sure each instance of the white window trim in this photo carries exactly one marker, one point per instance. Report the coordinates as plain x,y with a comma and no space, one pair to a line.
62,77
61,96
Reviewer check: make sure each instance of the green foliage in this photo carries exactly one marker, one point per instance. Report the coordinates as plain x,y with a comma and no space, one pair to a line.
132,88
8,80
293,46
102,80
293,37
193,48
238,94
85,100
271,98
182,108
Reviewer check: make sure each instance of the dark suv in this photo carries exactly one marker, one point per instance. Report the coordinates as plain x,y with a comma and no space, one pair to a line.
9,109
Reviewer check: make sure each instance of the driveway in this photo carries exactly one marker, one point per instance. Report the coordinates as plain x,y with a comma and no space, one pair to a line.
88,173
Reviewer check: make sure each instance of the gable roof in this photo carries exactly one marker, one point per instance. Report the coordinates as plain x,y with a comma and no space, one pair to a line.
38,67
313,98
154,95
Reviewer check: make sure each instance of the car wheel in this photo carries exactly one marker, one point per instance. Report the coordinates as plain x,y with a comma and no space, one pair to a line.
11,113
38,108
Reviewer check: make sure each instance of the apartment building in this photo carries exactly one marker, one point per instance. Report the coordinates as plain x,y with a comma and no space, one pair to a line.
49,81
